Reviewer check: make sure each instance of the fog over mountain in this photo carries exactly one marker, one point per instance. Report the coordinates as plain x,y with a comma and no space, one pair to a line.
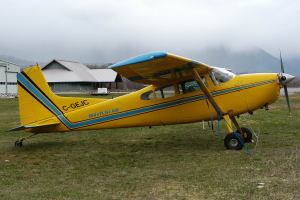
110,30
240,61
244,35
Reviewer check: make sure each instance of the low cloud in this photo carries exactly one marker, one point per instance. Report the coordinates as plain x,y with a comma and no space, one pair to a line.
104,31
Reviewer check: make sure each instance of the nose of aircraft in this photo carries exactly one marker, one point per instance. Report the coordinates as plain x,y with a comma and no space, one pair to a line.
285,78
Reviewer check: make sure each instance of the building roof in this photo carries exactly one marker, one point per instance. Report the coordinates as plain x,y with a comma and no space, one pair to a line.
8,62
71,71
103,75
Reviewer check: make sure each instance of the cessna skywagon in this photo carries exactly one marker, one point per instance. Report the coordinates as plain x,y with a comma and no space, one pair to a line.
180,90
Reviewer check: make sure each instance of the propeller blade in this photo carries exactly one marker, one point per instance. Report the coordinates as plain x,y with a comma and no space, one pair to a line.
284,79
286,94
281,64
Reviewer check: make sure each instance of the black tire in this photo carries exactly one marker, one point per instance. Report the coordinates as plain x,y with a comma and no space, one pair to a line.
247,134
18,143
233,141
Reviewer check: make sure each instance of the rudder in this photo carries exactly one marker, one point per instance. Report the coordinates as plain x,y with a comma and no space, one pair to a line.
37,101
31,106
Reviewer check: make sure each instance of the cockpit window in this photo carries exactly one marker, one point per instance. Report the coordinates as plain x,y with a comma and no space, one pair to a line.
221,75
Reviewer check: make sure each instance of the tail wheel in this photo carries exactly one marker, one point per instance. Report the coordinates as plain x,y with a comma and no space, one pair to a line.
247,134
233,141
19,143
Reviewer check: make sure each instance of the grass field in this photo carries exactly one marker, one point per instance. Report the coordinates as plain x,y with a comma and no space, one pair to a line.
168,162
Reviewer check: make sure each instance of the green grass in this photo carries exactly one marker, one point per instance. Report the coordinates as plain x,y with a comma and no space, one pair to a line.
168,162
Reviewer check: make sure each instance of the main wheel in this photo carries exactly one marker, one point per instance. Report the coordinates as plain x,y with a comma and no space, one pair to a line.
247,134
233,141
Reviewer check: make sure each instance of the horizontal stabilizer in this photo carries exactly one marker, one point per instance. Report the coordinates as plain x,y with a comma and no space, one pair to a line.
42,123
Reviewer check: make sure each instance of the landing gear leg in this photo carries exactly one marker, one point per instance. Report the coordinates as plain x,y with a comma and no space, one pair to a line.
19,142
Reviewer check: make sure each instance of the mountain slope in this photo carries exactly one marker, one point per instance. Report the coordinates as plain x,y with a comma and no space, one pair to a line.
254,60
243,61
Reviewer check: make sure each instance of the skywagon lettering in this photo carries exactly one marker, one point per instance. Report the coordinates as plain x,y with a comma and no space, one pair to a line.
105,112
76,104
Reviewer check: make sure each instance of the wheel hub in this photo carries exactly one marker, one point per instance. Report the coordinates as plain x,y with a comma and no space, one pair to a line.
234,142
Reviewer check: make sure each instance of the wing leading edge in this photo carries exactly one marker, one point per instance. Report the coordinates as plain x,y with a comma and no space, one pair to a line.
158,68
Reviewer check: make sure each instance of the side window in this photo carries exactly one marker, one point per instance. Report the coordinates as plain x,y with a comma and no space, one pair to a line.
181,88
159,93
172,90
204,81
221,75
148,95
168,91
213,78
190,86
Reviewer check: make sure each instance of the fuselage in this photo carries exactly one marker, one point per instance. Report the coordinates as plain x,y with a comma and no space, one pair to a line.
242,94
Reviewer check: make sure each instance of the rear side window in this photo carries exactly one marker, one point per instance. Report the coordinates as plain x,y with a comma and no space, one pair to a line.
168,91
159,93
147,95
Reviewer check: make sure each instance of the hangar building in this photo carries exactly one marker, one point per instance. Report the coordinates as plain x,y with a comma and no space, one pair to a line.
8,78
70,76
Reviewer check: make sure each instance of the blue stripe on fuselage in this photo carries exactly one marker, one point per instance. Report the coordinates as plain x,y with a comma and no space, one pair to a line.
22,79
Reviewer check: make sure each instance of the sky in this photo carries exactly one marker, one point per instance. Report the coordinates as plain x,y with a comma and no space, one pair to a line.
100,31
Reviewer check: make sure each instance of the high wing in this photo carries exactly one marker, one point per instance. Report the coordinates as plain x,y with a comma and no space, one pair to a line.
159,68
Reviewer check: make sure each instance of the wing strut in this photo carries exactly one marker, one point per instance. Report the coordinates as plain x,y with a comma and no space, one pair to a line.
207,93
228,119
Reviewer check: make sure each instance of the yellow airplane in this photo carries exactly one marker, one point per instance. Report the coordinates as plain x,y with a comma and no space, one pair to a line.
180,90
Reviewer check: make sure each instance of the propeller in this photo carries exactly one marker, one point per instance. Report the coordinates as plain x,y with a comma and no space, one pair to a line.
284,79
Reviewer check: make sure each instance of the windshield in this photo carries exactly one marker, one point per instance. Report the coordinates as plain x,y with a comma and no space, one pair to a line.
221,75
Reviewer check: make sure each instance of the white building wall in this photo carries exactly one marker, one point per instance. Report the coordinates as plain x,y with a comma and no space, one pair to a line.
11,77
2,73
12,89
2,88
8,78
2,79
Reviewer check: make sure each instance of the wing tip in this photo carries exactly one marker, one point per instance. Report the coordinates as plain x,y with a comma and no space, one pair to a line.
140,59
